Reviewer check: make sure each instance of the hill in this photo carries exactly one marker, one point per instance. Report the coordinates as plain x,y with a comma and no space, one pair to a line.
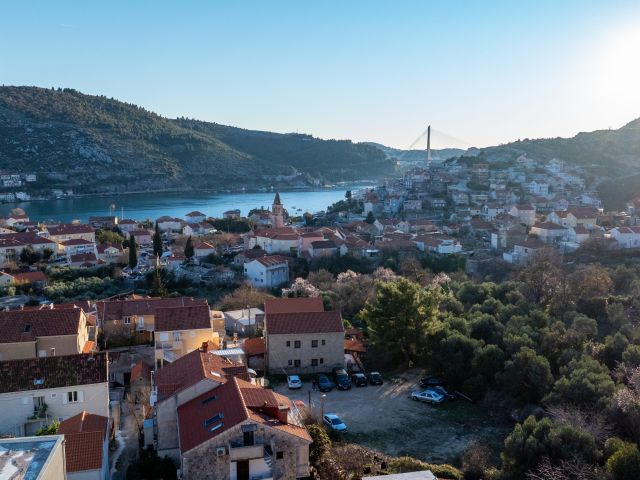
95,144
417,156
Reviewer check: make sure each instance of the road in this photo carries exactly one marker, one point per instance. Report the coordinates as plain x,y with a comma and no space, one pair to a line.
127,437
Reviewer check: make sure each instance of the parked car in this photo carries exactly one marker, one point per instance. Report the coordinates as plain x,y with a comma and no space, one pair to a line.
444,392
294,382
333,422
324,384
341,378
359,379
427,382
427,396
374,378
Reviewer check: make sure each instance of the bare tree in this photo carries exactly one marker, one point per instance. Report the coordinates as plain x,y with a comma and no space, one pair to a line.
573,469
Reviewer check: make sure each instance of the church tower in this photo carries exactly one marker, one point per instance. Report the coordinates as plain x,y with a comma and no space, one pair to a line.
277,212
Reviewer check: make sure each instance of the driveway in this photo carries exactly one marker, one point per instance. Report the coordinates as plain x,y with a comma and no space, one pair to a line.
383,417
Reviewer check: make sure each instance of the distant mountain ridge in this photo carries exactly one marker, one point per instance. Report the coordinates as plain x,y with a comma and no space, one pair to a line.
94,144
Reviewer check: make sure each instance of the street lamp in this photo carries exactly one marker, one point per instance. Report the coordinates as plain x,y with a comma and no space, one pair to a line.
322,397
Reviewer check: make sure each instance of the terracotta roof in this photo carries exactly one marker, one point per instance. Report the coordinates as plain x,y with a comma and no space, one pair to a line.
548,226
254,347
139,233
182,318
271,260
195,213
321,244
141,371
127,221
76,241
226,406
69,229
84,436
293,305
308,322
104,246
354,346
116,309
194,367
523,207
53,372
29,277
27,325
89,346
205,246
83,258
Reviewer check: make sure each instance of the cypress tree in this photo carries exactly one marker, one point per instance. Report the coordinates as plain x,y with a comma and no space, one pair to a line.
188,249
157,242
133,252
157,287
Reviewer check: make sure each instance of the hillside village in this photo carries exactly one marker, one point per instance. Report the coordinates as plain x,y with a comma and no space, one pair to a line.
100,342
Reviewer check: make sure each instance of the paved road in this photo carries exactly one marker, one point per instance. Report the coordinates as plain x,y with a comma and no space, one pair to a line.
127,452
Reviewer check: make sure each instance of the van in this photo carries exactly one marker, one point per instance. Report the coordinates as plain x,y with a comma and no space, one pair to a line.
342,378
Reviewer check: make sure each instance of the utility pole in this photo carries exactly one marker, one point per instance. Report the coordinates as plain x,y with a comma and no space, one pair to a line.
428,146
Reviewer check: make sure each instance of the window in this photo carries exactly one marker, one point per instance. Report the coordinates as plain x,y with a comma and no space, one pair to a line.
176,336
72,397
296,344
290,363
288,343
321,361
127,320
324,342
279,455
314,343
314,362
296,363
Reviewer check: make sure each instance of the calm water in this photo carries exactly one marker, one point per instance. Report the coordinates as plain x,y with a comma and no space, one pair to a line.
154,205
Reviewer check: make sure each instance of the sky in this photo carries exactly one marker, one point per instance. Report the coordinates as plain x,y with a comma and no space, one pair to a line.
483,72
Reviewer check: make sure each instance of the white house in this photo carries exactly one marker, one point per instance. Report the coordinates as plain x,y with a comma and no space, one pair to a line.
195,217
538,188
627,237
526,213
437,244
203,249
267,272
549,232
34,392
169,224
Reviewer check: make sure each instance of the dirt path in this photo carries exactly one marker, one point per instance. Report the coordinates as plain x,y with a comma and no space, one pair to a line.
127,452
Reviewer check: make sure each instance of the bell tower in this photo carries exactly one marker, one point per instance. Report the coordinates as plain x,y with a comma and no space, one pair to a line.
277,212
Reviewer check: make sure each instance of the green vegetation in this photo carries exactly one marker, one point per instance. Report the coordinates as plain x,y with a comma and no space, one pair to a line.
109,236
188,248
231,225
133,252
157,242
51,429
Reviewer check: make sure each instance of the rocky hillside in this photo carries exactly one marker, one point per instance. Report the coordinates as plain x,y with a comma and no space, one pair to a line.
74,140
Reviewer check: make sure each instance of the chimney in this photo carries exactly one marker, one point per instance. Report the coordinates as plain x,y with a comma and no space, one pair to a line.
204,347
283,414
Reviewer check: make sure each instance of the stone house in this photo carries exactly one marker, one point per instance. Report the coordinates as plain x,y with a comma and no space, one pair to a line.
180,382
301,337
241,431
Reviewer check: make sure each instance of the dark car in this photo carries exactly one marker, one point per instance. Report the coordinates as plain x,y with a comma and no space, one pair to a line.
359,380
444,392
342,378
324,384
427,382
374,378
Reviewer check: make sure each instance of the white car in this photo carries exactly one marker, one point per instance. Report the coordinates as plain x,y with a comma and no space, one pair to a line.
294,382
333,422
428,396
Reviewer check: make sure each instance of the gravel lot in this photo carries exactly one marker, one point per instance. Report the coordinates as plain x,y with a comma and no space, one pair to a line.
386,419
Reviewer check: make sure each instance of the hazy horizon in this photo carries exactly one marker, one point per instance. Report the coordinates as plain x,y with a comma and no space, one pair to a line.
366,71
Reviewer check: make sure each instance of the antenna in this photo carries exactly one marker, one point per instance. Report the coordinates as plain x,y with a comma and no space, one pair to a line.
428,145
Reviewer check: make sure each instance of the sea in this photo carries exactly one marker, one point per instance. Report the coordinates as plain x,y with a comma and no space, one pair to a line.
142,206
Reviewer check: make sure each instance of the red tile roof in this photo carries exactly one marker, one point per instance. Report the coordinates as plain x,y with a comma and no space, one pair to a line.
70,229
76,241
254,347
293,305
84,436
308,322
354,346
182,318
53,372
83,258
323,244
117,309
235,402
29,277
27,325
141,371
194,367
195,214
272,260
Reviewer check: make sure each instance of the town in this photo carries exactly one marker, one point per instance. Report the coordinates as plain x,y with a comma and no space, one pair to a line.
216,348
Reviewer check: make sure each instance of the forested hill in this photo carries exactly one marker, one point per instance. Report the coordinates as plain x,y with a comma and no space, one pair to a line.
75,140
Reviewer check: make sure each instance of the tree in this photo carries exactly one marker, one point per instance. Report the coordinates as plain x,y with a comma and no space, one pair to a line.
133,252
157,242
109,236
370,218
188,248
624,464
301,288
321,442
527,376
347,195
157,287
49,429
29,256
401,317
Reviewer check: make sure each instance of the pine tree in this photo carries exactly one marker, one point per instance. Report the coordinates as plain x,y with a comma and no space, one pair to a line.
157,287
370,218
157,242
188,249
133,252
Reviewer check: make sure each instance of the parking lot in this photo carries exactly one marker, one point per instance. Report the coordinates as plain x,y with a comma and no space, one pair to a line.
384,418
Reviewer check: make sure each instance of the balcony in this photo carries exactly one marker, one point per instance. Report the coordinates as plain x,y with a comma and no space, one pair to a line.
246,453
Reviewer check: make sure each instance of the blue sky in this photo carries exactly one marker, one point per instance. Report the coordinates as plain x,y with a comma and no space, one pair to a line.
484,72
